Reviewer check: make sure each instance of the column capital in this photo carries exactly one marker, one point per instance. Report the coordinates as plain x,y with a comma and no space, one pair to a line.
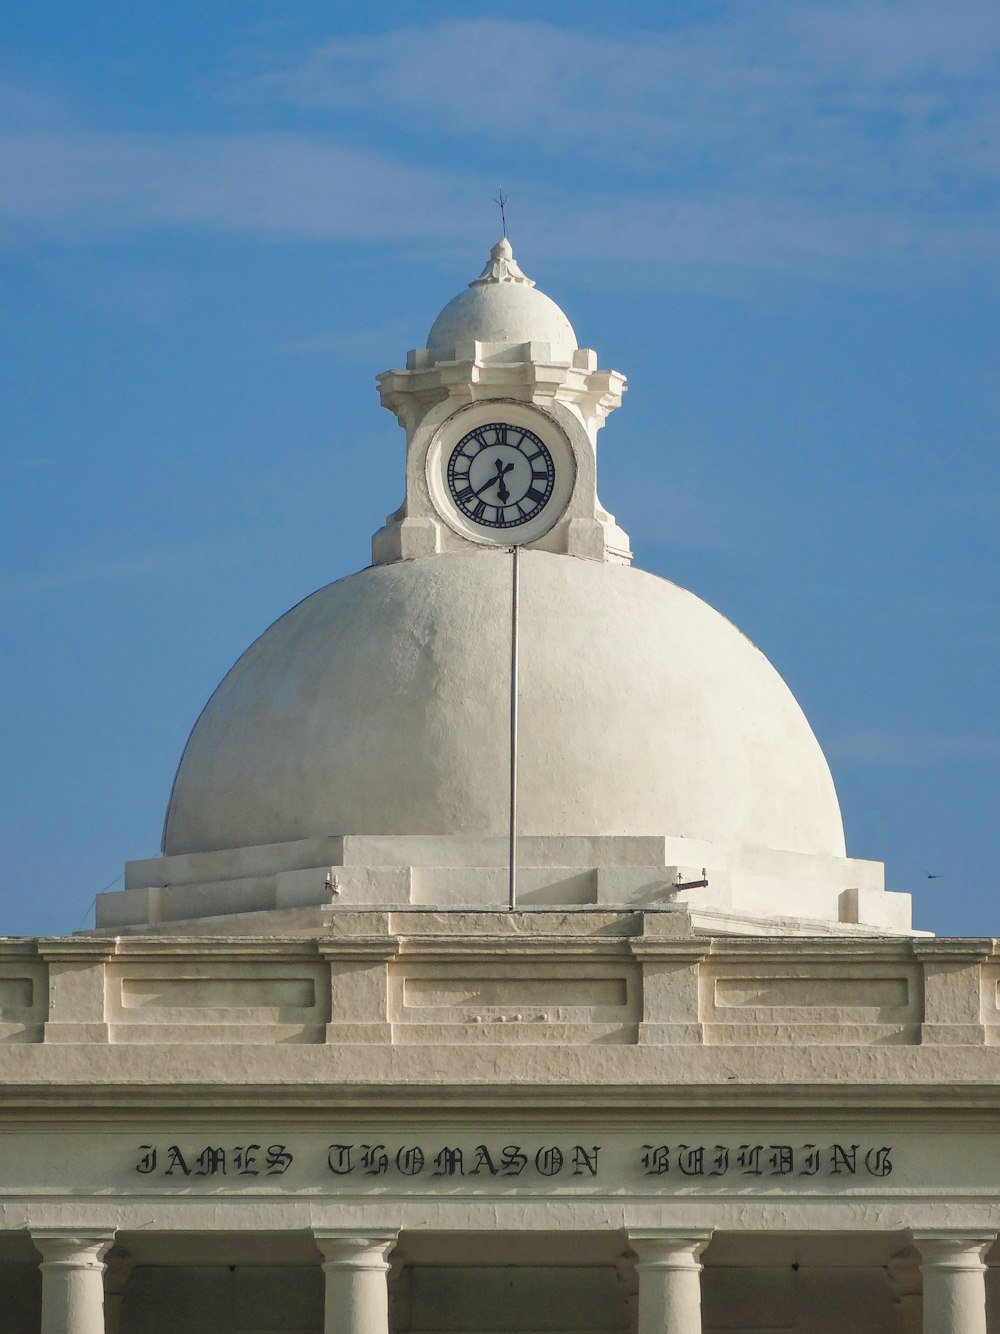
354,1250
669,1248
76,1248
946,1249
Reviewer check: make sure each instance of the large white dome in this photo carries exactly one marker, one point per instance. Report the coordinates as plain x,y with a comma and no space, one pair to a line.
380,705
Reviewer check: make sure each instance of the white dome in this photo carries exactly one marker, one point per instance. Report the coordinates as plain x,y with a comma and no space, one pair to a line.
502,313
380,706
502,306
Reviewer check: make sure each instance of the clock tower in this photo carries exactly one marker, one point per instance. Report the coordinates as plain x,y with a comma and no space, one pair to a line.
501,411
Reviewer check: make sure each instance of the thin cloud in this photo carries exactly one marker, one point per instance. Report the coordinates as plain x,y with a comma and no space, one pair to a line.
82,187
77,184
89,572
879,99
875,747
850,141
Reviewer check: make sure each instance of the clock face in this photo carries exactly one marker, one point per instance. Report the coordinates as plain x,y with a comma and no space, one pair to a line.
500,476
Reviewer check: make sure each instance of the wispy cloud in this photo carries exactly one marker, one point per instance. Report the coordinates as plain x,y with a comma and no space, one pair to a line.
839,140
86,186
874,97
87,182
893,748
88,571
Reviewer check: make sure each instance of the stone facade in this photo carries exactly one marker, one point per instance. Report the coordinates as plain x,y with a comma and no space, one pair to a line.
497,1121
329,1066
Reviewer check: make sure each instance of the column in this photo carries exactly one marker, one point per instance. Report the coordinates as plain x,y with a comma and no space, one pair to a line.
669,1280
357,1289
954,1282
72,1280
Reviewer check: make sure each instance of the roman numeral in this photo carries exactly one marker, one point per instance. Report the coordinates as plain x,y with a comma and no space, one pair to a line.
539,476
465,494
480,510
532,494
501,435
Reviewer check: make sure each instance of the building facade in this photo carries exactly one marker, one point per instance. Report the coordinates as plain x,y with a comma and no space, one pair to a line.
503,969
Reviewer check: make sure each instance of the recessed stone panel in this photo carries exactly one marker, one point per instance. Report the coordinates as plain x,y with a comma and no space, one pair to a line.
561,992
839,993
218,1001
816,1000
218,993
23,1001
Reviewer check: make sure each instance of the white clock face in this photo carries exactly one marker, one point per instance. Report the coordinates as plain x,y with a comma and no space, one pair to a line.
500,472
500,475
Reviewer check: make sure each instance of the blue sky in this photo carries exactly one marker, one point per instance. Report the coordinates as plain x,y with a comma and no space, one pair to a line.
219,222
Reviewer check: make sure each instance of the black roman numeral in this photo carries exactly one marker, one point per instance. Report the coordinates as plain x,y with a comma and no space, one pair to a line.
532,494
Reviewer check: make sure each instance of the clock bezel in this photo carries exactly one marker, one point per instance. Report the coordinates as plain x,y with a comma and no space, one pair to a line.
521,417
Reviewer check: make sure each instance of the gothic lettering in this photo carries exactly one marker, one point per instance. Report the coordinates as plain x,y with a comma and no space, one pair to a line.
486,1161
278,1160
245,1159
483,1159
374,1159
549,1161
748,1159
339,1159
720,1161
147,1163
878,1162
448,1163
843,1160
512,1160
811,1162
211,1161
780,1159
584,1161
410,1160
656,1160
691,1161
176,1159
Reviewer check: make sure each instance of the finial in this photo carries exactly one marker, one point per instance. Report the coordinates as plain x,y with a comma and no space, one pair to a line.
501,202
502,267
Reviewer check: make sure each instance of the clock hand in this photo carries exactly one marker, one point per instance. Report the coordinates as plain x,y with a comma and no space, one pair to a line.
501,469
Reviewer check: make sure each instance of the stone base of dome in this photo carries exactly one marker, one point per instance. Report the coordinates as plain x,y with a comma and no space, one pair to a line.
746,891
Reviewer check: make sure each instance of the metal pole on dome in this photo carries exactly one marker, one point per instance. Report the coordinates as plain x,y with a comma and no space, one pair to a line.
512,853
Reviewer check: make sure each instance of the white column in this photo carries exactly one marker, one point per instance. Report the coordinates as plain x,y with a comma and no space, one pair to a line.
954,1282
72,1280
669,1280
357,1289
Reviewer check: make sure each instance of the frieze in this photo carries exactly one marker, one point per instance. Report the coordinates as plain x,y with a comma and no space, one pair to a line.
362,1160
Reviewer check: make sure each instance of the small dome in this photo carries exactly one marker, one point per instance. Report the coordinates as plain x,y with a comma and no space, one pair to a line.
377,706
502,306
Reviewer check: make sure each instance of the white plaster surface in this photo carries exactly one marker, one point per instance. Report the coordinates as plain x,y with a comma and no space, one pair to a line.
501,306
379,706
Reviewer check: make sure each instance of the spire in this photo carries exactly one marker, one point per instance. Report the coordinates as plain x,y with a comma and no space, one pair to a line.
501,267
